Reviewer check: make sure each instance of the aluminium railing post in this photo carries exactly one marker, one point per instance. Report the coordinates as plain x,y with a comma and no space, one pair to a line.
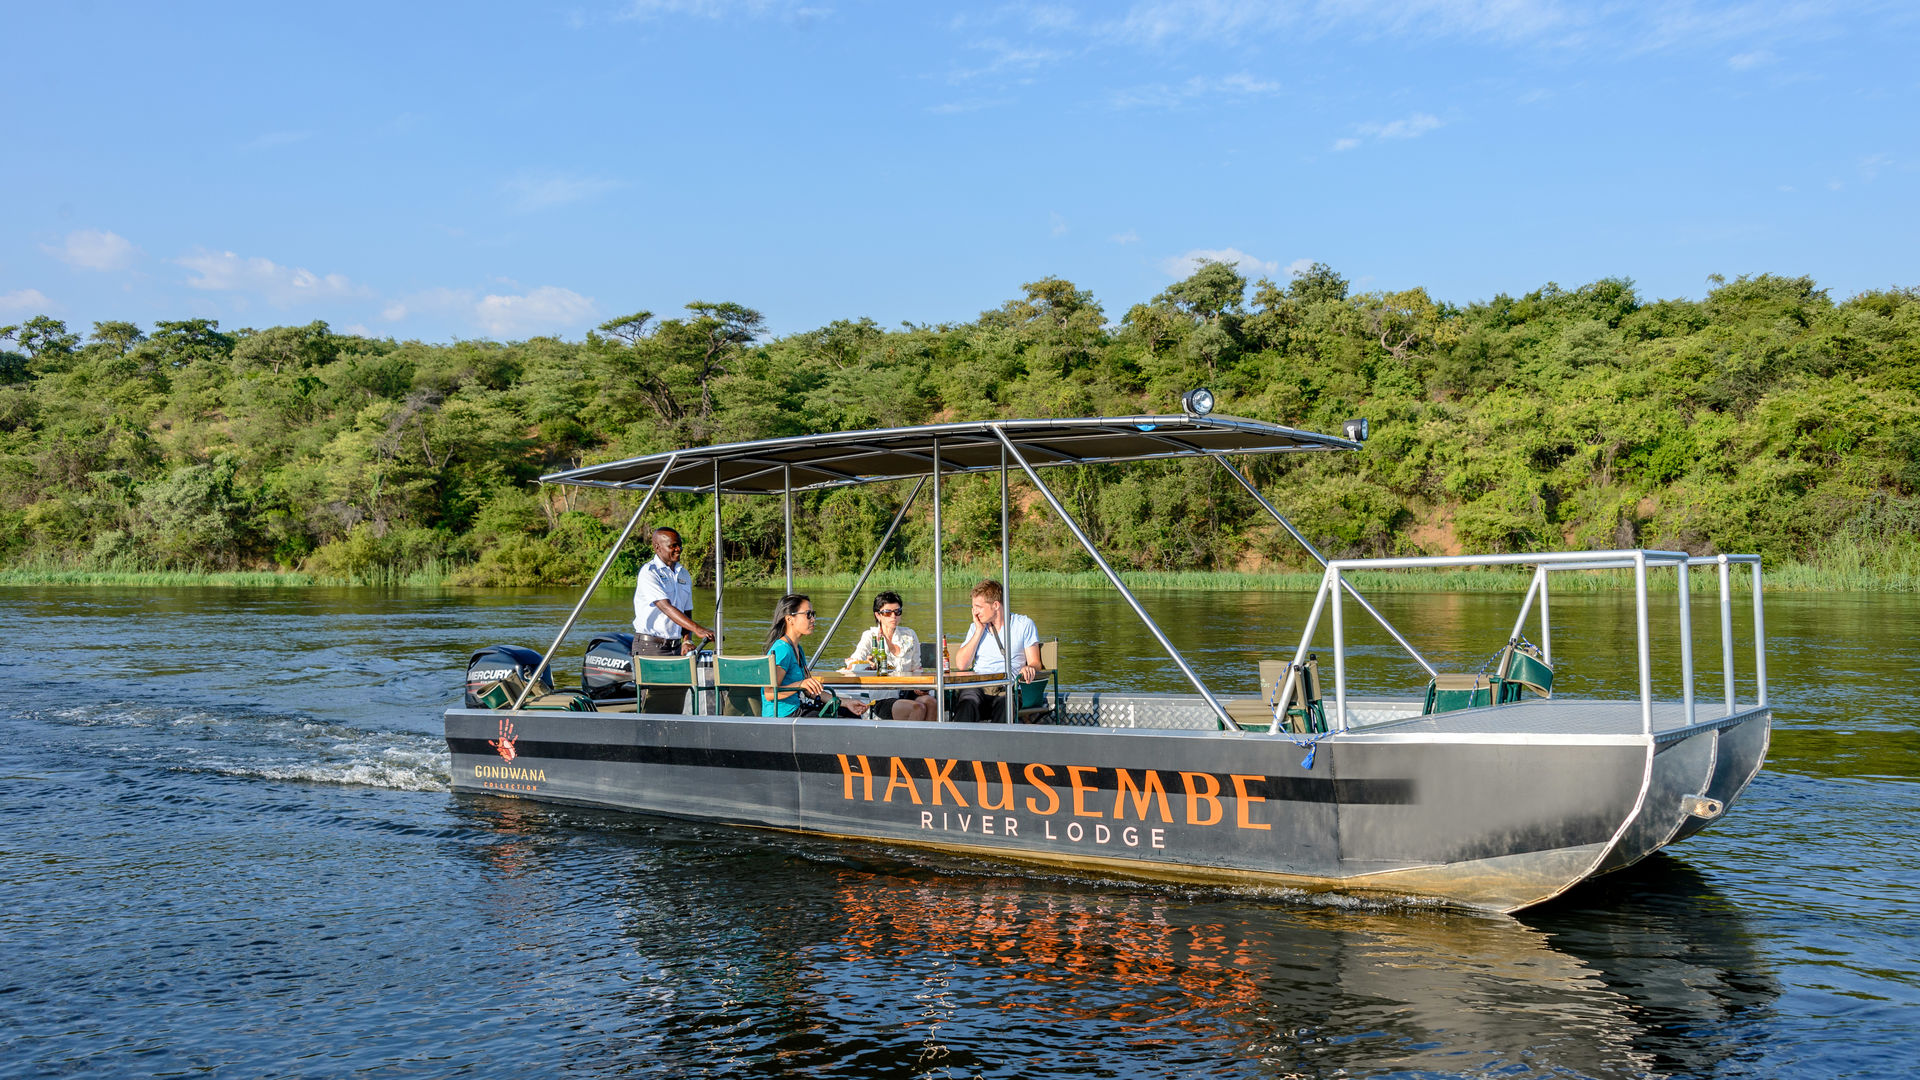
1526,605
1682,572
1645,647
719,561
1546,627
1222,461
786,493
1300,655
1759,640
865,572
605,565
939,599
1114,578
1006,599
1726,629
1339,651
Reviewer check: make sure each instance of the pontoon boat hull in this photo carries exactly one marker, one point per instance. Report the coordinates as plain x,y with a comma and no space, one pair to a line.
1496,824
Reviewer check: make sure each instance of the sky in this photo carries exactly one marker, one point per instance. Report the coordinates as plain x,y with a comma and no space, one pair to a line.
506,170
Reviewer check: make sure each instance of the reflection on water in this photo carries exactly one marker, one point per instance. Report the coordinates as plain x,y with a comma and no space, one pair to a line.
861,965
229,848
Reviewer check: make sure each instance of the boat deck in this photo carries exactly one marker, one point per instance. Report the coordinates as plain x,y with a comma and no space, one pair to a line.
1544,717
1556,717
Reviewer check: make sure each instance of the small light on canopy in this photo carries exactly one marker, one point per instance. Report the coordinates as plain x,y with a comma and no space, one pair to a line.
1197,402
1357,429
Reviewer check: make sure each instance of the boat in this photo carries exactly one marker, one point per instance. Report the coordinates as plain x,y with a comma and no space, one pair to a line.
1483,790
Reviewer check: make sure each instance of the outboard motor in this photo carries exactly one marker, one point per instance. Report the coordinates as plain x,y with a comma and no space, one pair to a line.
497,674
607,672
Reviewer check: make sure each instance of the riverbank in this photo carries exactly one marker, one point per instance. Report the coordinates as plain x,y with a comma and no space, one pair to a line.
1846,575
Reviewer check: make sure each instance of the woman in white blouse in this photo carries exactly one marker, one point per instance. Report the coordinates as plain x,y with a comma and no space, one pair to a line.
903,655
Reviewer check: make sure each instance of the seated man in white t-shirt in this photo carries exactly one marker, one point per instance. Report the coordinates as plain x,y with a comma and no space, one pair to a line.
981,652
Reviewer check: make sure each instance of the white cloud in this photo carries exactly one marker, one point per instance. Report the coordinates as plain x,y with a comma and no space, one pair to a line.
1165,96
1181,266
25,300
546,308
1746,60
1160,22
540,192
1128,237
1297,267
1056,225
1411,127
93,249
224,271
1871,165
1005,59
440,301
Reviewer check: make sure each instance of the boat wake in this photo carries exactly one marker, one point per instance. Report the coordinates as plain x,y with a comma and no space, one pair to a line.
255,744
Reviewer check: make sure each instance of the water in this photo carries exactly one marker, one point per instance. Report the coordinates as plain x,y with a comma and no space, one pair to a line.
228,848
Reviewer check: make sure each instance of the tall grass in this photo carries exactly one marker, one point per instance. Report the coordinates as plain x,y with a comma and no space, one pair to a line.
1842,566
432,575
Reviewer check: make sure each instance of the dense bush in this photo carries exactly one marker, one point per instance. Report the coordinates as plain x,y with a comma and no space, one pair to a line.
1765,417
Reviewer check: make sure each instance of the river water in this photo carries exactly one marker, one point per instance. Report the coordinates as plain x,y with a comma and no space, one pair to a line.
228,847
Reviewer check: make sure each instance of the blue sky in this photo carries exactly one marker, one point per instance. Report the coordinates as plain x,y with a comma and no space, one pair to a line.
508,169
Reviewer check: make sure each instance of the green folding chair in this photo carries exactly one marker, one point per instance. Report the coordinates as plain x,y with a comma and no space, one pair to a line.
1450,693
1035,703
1304,712
1522,668
663,672
741,681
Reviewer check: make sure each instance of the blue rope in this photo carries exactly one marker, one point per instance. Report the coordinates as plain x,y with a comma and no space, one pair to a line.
1312,744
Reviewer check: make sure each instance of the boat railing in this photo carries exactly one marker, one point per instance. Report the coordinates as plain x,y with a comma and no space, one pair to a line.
1333,586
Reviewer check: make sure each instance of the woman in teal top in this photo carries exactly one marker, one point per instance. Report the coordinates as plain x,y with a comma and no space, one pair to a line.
793,620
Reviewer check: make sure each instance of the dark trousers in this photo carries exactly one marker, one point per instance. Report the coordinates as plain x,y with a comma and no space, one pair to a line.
666,699
975,705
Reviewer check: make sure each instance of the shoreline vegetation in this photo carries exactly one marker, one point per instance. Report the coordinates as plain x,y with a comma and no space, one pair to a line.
1857,574
1766,417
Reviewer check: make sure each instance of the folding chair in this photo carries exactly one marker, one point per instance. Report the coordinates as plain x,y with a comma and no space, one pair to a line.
741,682
664,673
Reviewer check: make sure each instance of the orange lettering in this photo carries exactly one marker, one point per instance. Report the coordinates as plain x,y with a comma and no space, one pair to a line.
898,776
865,773
1053,801
1005,802
1080,789
943,778
1153,788
1240,789
1195,798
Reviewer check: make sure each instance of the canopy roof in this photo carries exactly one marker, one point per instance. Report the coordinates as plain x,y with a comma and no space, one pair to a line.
862,457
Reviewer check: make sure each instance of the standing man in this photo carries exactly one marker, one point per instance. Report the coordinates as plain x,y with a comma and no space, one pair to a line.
663,617
981,652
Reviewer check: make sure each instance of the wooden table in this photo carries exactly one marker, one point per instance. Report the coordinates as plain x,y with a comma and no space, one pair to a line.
924,680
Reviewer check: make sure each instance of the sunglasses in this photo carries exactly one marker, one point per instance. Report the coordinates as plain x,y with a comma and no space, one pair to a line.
893,611
803,614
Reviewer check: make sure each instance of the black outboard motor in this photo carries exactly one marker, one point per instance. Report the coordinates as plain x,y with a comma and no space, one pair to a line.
607,672
500,672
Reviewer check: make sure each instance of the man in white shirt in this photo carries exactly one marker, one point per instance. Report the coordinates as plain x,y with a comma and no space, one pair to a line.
981,652
663,617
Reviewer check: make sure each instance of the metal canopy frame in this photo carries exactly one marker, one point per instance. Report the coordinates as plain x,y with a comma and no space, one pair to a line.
838,459
931,452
